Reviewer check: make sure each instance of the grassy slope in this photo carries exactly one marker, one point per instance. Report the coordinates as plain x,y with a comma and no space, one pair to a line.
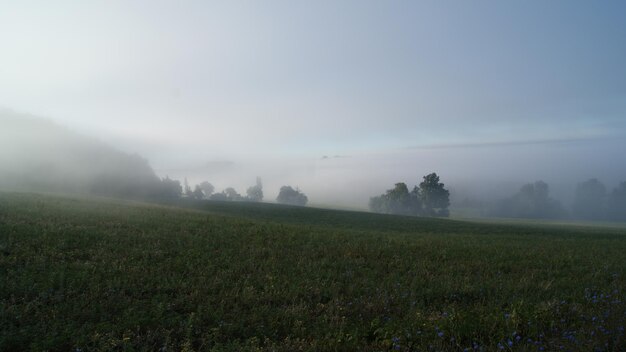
102,274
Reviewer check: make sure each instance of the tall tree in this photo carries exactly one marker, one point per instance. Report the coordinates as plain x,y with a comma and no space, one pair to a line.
435,198
188,191
206,188
255,193
399,199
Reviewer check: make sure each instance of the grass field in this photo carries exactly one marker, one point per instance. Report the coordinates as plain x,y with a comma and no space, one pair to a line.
96,274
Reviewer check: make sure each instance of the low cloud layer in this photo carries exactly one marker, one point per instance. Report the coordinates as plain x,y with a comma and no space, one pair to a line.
488,94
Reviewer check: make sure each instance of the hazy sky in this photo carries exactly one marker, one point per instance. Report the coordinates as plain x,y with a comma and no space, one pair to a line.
195,81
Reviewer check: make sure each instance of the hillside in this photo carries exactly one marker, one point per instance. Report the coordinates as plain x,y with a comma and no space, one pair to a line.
38,155
97,274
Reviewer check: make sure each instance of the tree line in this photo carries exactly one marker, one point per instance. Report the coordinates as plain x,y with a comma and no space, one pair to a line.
205,190
592,201
429,198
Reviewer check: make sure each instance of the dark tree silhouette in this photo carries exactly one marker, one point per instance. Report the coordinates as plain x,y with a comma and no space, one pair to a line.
435,198
170,188
397,200
288,195
430,199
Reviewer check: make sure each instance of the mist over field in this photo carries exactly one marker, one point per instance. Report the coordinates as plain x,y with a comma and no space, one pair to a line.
339,100
55,158
323,175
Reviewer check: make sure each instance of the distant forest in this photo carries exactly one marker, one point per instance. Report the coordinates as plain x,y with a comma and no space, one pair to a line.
46,157
592,202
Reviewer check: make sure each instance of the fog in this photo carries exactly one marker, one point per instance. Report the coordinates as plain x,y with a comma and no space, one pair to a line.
339,99
479,172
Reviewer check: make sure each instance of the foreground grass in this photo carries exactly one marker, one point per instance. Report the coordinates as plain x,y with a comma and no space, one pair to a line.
110,275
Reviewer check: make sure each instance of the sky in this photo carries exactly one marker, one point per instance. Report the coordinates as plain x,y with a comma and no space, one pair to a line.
476,90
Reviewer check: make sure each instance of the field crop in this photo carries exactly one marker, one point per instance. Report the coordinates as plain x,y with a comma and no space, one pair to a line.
80,274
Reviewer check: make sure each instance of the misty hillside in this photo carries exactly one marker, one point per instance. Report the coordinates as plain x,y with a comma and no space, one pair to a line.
39,155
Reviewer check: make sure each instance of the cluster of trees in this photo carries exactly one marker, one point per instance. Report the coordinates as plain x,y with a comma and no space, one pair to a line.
532,201
205,190
55,159
591,202
288,195
430,198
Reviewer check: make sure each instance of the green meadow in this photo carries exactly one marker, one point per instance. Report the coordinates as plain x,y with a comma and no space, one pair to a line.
94,274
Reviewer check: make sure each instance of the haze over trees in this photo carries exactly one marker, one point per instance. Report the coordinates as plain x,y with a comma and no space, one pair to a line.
590,200
291,196
255,193
434,197
430,198
47,157
532,201
617,203
197,193
171,188
51,158
207,188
